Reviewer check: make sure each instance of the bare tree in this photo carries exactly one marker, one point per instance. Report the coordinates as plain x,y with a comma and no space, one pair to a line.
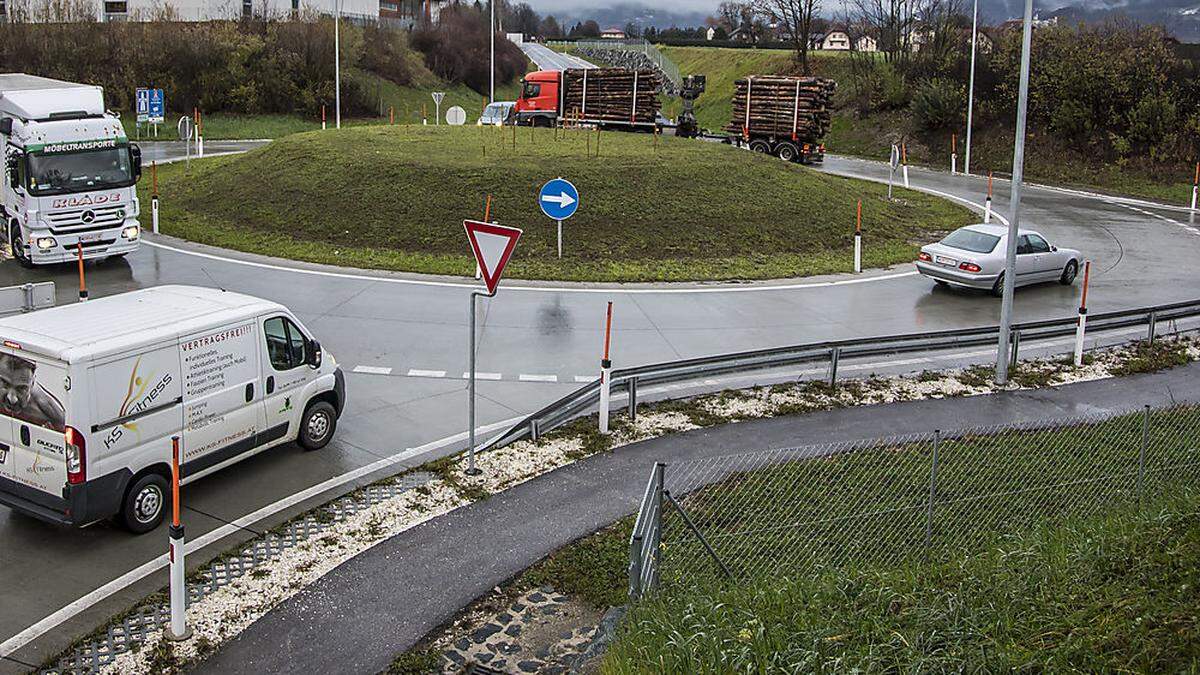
730,15
893,22
795,17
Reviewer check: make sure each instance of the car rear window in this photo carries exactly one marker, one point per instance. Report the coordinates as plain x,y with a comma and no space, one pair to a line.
970,240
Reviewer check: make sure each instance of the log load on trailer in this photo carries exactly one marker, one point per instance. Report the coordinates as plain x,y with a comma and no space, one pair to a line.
604,97
783,116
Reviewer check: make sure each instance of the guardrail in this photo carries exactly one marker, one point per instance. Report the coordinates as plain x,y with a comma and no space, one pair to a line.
828,352
27,297
664,64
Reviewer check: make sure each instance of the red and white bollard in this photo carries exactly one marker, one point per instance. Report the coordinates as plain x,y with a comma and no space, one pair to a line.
1081,328
858,241
904,162
154,197
606,374
953,154
1195,186
177,630
324,121
987,204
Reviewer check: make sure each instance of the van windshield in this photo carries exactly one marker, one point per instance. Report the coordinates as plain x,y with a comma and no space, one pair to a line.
62,173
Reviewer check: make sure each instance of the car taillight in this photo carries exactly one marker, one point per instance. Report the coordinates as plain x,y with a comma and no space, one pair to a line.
76,457
924,257
969,267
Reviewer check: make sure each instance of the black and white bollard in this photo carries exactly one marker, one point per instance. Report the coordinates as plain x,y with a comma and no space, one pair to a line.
606,374
904,162
1081,327
987,204
1195,187
953,154
858,241
178,630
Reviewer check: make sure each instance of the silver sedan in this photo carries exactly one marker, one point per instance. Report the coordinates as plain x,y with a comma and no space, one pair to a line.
973,257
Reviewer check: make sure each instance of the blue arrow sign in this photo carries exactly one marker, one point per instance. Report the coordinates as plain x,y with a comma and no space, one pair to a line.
559,199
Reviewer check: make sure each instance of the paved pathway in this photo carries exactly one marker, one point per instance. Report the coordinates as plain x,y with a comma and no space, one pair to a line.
381,603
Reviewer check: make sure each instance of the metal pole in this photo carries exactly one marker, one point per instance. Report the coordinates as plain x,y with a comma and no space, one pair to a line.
835,355
1014,219
1142,452
937,443
560,238
631,389
971,87
472,470
492,63
337,65
699,535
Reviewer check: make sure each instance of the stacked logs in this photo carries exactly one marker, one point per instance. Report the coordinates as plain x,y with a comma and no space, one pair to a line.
611,93
784,107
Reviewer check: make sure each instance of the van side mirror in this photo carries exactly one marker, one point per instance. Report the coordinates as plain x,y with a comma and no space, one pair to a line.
135,158
312,355
6,125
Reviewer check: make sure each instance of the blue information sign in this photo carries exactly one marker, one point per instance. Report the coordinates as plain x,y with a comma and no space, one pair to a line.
142,100
158,106
559,199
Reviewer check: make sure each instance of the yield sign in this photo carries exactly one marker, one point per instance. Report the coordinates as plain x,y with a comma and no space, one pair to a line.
492,245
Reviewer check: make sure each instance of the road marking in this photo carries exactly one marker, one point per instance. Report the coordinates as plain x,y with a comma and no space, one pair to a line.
586,379
538,378
20,640
1190,230
426,373
372,370
483,376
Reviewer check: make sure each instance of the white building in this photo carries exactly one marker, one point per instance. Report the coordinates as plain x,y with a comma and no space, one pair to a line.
208,10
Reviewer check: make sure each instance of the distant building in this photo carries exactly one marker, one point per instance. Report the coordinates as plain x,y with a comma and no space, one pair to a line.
612,34
836,40
406,13
710,33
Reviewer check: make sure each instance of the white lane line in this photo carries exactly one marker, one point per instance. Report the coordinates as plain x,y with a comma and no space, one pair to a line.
20,640
483,376
586,379
538,378
426,373
613,290
372,370
1190,230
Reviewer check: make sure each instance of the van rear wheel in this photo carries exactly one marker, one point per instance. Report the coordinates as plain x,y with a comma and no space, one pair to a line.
317,425
145,504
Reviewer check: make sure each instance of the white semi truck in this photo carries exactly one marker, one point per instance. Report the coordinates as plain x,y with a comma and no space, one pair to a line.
69,173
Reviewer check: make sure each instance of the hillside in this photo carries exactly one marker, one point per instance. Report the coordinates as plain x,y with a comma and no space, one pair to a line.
395,198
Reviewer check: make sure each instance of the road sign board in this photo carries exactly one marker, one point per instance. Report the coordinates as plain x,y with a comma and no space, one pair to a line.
438,96
158,106
185,127
456,116
895,156
142,104
559,199
492,245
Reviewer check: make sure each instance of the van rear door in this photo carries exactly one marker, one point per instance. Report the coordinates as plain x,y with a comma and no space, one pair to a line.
33,418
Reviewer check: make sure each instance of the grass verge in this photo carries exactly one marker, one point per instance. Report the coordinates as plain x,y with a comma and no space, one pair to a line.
671,210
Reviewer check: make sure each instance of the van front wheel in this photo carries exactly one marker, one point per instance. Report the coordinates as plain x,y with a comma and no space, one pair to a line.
145,504
317,425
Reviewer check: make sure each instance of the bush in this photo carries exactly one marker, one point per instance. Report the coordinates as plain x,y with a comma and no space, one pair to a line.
457,49
939,104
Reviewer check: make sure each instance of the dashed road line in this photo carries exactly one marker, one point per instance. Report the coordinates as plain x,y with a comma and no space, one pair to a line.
426,373
537,378
372,370
483,376
585,379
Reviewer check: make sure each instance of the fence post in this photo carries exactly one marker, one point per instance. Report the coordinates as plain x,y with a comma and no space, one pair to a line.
1016,347
660,470
835,355
1142,452
937,442
535,430
631,387
1153,321
27,305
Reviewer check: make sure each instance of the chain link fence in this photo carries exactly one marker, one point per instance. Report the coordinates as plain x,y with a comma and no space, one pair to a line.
884,501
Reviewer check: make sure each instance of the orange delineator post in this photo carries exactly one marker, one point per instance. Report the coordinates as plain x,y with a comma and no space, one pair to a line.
858,240
904,161
177,629
175,481
1196,186
1081,327
606,372
323,119
391,114
987,204
953,153
83,293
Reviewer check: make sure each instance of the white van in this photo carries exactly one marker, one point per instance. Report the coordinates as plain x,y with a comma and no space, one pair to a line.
92,393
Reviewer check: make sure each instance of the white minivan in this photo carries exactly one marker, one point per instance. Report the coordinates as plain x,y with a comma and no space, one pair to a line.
91,395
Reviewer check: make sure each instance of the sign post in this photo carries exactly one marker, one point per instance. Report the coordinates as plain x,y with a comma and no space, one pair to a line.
158,109
154,196
492,246
185,134
559,200
141,98
438,97
894,163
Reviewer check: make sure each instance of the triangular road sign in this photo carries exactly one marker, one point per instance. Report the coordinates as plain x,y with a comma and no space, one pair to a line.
492,245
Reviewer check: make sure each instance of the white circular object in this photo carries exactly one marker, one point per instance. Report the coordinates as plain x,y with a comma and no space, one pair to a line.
456,116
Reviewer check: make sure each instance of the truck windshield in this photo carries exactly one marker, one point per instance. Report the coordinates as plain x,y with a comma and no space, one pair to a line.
79,171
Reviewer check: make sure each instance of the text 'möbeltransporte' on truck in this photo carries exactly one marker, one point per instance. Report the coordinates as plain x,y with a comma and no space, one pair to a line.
91,395
69,173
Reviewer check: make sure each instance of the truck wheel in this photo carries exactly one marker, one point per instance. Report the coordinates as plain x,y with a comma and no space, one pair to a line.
317,425
145,504
18,247
788,152
760,146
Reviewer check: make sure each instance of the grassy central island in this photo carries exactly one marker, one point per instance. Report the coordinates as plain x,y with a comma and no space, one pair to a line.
666,210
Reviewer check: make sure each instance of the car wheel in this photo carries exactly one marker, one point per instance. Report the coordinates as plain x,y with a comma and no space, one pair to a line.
1069,273
317,425
145,504
760,146
998,287
18,248
787,152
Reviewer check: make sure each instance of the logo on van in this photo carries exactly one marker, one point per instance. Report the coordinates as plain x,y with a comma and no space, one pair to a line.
86,200
139,397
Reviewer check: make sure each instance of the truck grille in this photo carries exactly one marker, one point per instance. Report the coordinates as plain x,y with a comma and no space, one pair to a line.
79,220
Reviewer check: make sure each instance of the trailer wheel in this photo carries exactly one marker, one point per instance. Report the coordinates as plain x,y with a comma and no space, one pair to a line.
145,504
317,425
760,146
788,152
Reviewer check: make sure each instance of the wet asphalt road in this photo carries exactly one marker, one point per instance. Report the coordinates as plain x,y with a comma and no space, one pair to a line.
417,328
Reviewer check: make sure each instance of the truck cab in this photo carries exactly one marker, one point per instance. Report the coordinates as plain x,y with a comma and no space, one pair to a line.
70,173
540,99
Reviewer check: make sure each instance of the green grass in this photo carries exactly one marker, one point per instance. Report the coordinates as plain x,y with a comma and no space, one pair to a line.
722,67
1105,594
395,198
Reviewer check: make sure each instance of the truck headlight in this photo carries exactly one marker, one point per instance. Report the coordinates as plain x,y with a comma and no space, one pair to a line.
131,232
46,243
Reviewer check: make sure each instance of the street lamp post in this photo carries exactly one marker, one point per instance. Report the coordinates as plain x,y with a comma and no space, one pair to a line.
492,63
1014,218
337,65
971,87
